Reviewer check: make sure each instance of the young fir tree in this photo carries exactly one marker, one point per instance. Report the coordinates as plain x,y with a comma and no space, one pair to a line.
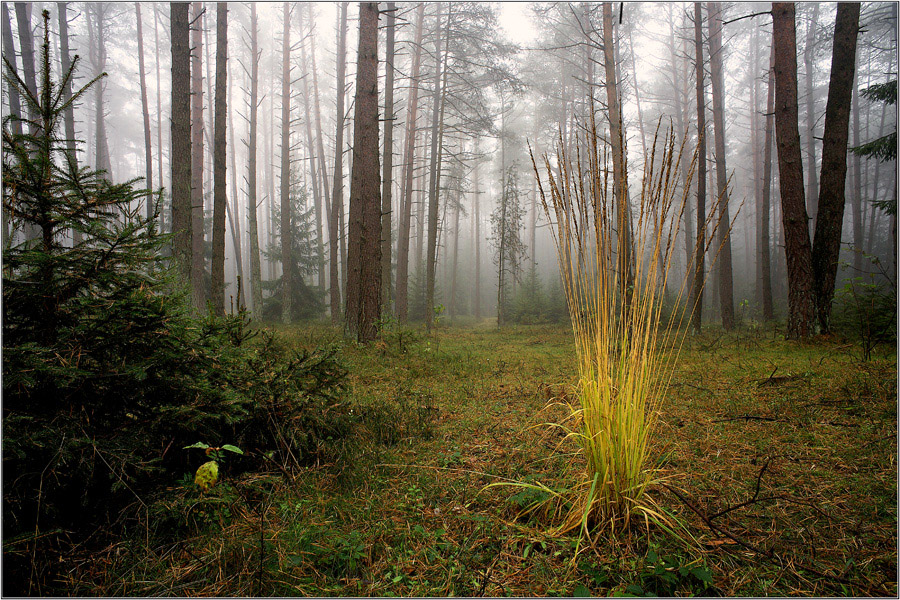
306,301
506,227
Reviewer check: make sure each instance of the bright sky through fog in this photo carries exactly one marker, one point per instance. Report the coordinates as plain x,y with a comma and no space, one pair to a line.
515,20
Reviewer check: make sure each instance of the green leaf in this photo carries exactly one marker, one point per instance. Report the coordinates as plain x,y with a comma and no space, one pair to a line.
702,574
231,448
200,445
581,591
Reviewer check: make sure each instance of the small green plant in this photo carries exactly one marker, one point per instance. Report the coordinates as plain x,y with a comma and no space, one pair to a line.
208,473
866,310
667,576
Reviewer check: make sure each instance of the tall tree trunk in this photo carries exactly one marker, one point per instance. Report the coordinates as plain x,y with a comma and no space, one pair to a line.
696,302
337,195
286,232
26,45
98,57
388,177
856,192
812,192
452,304
801,308
617,141
409,158
255,263
9,53
313,169
364,243
234,216
217,288
198,264
181,138
827,240
159,151
66,63
764,253
717,79
148,151
681,124
477,237
437,125
323,171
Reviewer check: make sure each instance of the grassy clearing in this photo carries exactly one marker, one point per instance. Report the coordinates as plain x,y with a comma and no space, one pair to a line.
806,433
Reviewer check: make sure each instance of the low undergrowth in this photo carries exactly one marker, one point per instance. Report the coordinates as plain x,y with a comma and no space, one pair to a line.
782,456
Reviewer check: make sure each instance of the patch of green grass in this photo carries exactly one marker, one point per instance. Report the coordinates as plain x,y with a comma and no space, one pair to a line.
400,513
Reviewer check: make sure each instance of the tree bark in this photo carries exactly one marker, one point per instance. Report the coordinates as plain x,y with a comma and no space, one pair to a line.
323,171
148,151
437,123
856,192
812,193
181,139
217,272
409,158
9,52
364,234
387,178
234,216
313,169
477,241
26,46
827,240
763,234
801,309
198,258
98,58
337,195
66,63
717,79
696,301
255,263
286,233
159,152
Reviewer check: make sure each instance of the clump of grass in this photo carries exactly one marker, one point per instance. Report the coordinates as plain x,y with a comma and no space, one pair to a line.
616,266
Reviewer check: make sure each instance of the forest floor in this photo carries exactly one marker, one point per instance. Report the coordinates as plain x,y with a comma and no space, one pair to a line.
788,450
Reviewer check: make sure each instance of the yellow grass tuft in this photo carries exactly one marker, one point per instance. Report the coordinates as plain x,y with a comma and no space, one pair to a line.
616,265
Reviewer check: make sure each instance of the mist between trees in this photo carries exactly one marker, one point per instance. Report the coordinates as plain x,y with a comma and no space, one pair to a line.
369,163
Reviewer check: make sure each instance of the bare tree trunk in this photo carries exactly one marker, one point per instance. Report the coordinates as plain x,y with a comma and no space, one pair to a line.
452,305
98,57
827,240
148,151
681,123
364,243
856,193
26,45
313,169
801,306
763,234
234,216
9,53
286,233
181,139
337,195
717,79
696,302
388,177
255,263
323,171
812,193
409,158
217,288
477,237
66,63
198,264
159,152
437,125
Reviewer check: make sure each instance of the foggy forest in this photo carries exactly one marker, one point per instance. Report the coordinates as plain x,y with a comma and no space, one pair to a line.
449,298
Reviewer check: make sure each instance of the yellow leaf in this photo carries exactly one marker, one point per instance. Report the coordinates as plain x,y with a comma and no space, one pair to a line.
207,475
